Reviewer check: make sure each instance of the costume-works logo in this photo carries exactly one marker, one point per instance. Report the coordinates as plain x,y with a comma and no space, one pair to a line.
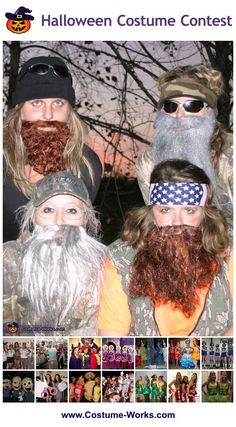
19,22
12,328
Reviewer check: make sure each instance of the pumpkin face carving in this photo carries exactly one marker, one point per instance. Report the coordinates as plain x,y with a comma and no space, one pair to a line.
18,26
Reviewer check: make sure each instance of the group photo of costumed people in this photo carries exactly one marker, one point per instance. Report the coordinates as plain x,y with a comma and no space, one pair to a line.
51,353
18,353
117,353
150,386
217,353
165,268
118,386
183,386
184,353
18,386
150,353
85,353
51,386
85,386
217,386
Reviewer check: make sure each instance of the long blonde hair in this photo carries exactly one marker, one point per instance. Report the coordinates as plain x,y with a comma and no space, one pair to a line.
15,153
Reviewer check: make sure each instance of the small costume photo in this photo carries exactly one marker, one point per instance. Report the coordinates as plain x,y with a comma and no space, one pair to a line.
150,386
118,353
184,353
84,386
85,353
118,386
183,386
18,387
150,353
217,353
51,386
217,386
18,353
51,353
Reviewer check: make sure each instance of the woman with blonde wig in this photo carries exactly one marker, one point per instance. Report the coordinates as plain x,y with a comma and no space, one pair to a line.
42,135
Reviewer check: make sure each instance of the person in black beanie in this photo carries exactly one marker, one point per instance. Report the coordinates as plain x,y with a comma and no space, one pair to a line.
43,135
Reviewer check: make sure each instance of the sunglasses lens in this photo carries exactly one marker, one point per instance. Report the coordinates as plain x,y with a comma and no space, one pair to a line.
39,69
169,106
42,69
193,106
61,71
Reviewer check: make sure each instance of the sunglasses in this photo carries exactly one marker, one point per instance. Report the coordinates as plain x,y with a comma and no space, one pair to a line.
194,106
42,69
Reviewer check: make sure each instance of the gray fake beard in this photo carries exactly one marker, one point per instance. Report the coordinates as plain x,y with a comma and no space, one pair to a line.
60,272
191,144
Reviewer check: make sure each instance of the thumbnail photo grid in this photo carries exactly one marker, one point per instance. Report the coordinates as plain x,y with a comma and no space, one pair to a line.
118,369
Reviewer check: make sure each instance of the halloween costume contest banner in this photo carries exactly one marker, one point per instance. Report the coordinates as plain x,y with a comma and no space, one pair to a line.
123,349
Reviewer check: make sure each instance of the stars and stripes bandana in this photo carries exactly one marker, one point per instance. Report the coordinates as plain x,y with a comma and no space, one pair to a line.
178,193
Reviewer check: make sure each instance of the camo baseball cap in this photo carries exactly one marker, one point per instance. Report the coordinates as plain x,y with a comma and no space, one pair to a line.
187,87
59,183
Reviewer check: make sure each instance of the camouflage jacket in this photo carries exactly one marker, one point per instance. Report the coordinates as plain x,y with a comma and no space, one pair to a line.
216,317
17,308
224,193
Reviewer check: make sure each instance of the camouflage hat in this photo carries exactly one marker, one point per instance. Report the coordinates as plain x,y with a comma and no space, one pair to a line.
59,183
187,87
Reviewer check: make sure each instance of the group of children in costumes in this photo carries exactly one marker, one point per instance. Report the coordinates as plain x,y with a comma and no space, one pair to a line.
186,356
118,387
117,357
218,355
18,389
150,389
148,354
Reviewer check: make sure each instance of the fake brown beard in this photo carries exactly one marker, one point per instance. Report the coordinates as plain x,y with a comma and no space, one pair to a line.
172,267
45,148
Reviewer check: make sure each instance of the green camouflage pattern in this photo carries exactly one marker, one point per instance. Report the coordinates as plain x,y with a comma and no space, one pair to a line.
188,88
59,183
216,317
16,308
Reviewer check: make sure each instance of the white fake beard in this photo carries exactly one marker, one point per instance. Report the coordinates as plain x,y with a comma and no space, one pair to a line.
191,144
60,264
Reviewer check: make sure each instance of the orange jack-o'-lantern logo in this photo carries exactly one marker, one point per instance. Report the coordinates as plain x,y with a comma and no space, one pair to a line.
13,327
19,22
18,26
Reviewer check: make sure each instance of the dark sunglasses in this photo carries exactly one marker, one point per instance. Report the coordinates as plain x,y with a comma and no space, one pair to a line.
42,69
192,107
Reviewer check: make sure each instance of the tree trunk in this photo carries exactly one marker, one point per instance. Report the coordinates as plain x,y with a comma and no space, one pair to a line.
15,51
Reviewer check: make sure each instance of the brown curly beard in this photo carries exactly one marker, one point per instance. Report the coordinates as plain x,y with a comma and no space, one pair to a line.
45,148
172,267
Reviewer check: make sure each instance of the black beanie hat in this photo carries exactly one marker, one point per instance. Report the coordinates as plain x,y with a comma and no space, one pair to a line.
30,85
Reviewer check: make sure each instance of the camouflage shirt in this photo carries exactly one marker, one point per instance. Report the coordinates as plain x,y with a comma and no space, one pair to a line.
215,319
17,308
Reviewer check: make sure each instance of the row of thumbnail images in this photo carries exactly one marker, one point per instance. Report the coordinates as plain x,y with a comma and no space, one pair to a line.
182,386
117,353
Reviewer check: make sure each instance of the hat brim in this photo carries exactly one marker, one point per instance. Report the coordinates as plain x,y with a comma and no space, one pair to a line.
89,375
13,17
59,193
